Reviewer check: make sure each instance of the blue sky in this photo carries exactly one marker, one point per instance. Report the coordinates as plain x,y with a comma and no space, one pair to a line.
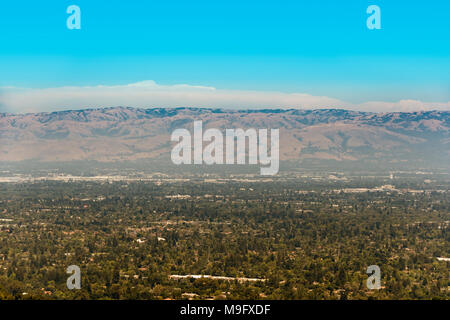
320,48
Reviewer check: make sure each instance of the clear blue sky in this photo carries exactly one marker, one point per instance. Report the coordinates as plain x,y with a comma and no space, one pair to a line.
318,47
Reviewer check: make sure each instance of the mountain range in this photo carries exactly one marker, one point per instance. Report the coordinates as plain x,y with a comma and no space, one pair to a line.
130,134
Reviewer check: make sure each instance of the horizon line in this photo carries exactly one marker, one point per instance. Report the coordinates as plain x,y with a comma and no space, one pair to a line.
253,110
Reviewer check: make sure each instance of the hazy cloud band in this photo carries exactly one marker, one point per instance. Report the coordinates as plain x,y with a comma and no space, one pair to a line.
151,94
